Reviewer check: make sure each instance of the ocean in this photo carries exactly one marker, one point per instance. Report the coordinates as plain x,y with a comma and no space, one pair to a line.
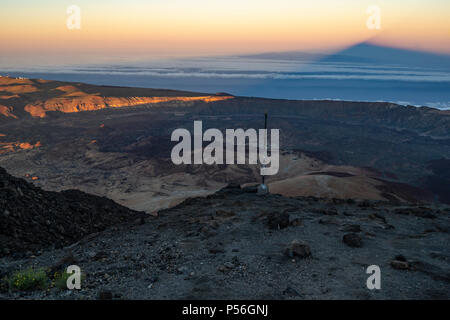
268,76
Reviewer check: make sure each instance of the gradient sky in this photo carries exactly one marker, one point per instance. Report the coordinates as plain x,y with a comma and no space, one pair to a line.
204,27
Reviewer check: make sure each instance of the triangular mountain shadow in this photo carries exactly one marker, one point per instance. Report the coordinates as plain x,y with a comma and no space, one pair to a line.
376,54
367,53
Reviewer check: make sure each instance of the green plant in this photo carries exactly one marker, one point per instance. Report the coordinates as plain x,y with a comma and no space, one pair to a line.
60,280
29,279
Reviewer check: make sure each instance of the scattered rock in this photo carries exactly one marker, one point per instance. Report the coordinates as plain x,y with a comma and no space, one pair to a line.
352,240
227,266
377,216
299,249
422,212
168,255
100,256
222,268
277,220
400,258
400,265
434,271
216,249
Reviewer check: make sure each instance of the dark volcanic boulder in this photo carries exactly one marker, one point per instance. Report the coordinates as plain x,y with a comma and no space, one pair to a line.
298,248
277,220
33,219
352,240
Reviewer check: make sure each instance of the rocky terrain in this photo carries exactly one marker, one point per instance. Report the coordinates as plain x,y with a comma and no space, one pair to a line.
359,184
238,244
32,219
115,142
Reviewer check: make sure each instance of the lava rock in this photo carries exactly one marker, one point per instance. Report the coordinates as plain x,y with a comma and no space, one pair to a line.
277,220
299,249
39,219
352,240
227,266
422,212
400,265
400,258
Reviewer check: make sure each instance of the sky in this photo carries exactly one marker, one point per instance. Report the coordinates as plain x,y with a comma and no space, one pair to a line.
216,27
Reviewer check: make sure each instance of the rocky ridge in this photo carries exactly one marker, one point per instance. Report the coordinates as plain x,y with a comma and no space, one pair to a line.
32,219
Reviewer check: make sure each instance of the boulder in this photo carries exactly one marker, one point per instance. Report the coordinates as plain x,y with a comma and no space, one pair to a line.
298,248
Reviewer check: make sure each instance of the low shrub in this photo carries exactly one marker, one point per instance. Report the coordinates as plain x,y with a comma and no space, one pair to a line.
29,279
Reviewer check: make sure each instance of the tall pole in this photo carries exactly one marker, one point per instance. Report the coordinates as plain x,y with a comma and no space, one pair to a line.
265,138
262,188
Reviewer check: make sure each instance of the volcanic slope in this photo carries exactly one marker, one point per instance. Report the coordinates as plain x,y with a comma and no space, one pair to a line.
236,244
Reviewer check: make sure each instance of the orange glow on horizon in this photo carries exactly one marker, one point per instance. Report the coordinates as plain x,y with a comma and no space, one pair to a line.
211,27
